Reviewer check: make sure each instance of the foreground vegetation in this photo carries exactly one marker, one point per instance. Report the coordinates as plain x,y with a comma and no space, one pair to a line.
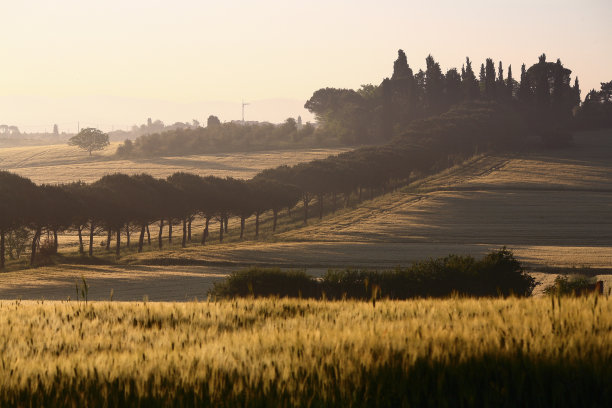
279,352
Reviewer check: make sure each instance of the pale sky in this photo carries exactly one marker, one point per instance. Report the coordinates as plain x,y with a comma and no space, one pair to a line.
114,63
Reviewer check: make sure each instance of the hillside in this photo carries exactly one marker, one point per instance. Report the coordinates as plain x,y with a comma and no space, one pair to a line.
490,201
515,200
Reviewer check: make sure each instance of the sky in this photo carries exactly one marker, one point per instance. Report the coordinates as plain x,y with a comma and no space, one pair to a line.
114,63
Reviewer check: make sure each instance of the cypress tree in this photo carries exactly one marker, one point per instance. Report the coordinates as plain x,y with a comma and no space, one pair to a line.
542,91
490,79
524,91
500,85
481,80
510,84
434,86
469,83
576,92
400,67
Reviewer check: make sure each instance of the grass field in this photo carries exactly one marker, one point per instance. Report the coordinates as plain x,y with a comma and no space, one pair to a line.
553,209
63,163
455,352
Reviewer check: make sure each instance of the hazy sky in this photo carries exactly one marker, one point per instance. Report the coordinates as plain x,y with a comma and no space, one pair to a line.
115,63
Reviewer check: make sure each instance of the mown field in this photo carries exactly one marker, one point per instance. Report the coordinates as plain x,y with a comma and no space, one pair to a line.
277,352
552,208
63,164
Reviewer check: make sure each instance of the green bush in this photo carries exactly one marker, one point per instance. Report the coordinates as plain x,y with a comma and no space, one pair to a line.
496,274
570,285
260,282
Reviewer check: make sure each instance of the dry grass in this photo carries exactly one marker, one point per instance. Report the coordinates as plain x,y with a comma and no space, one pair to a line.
126,282
274,352
63,163
552,209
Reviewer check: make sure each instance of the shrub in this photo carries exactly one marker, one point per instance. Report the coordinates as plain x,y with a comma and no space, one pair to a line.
570,285
261,282
496,274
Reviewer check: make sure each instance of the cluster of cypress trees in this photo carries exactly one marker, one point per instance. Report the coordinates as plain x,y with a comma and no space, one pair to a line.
543,95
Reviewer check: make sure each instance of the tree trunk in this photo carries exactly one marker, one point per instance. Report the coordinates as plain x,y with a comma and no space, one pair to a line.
256,224
2,259
320,206
184,243
35,241
169,231
55,243
226,222
205,232
189,229
242,226
81,249
91,238
275,213
141,238
108,239
148,235
118,248
334,203
221,229
305,200
127,235
161,230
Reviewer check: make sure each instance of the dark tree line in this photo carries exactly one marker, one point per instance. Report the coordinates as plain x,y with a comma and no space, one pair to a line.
120,205
426,145
596,111
220,137
543,95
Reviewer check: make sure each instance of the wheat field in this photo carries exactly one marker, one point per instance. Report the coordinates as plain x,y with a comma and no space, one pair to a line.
279,352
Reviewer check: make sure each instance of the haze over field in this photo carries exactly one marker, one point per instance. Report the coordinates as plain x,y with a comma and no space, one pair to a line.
112,64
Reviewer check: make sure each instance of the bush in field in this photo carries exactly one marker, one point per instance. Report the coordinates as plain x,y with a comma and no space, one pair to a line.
570,285
496,274
261,282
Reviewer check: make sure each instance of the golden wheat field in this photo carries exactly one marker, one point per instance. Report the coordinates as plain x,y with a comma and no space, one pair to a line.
279,352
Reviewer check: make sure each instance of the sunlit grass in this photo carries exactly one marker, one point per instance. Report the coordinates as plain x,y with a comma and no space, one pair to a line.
278,352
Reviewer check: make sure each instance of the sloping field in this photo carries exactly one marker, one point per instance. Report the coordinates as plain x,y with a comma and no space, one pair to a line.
552,208
63,163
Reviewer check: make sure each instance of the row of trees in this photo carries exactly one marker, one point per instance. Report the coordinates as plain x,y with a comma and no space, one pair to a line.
427,145
220,137
120,204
